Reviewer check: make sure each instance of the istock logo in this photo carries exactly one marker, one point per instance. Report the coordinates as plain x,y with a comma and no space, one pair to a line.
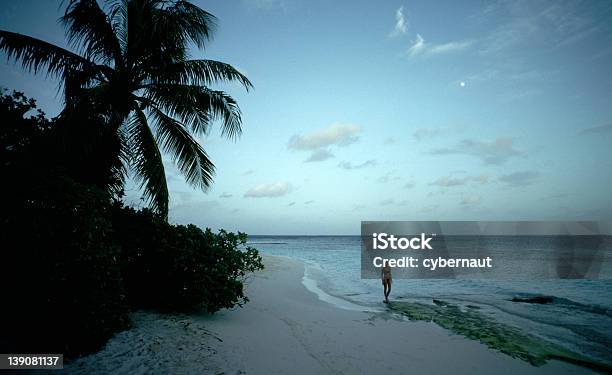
383,241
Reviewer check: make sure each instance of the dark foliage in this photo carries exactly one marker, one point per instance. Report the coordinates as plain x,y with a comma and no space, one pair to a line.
61,264
74,261
182,268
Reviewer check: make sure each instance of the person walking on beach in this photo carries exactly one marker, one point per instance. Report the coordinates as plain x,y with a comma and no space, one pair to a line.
385,275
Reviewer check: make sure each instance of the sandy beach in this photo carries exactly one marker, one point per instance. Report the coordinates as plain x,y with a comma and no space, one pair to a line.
288,329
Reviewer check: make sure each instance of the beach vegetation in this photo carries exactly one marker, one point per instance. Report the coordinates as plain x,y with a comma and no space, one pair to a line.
509,340
76,261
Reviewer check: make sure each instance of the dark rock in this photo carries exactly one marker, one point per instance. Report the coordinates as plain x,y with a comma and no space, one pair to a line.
542,300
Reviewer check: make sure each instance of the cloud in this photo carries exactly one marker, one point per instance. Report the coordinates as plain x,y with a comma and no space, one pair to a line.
534,23
495,152
449,47
388,178
597,129
470,200
387,202
449,181
409,185
225,195
291,204
400,23
417,47
319,155
309,202
248,172
335,134
420,48
518,179
349,165
274,190
389,141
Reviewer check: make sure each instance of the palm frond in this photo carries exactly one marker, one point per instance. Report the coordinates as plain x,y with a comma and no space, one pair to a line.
189,23
199,72
119,22
197,105
147,162
185,151
76,82
35,54
225,108
180,102
89,28
155,37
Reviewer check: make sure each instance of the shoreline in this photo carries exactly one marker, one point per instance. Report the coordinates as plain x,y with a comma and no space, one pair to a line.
289,327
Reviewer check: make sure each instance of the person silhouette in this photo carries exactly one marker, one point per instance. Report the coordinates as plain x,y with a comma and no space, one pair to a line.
385,275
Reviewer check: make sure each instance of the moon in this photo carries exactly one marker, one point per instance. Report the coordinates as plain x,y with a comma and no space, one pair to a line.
462,84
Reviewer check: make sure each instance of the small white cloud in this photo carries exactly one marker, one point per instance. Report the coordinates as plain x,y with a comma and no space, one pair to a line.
388,178
449,47
494,152
448,181
387,202
471,200
248,172
400,23
268,190
420,47
225,195
417,47
335,134
409,185
349,165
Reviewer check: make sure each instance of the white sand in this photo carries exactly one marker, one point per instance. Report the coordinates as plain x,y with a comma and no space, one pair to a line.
287,329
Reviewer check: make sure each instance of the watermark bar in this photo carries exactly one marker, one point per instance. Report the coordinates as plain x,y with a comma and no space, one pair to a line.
518,250
31,361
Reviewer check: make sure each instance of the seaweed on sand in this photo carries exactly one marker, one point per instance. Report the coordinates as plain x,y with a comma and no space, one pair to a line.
506,339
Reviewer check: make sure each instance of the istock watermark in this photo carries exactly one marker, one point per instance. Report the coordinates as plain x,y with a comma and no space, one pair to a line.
520,250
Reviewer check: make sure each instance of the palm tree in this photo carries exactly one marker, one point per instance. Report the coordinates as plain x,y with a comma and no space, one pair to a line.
131,72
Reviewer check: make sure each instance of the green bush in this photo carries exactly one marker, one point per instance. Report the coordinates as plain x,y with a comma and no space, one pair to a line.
182,268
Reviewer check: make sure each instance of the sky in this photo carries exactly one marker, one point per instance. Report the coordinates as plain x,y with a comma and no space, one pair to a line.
392,110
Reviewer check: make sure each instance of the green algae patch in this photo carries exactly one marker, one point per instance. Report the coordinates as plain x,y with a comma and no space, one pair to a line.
506,339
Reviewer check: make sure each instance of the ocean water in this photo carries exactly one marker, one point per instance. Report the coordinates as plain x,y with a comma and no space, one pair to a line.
579,317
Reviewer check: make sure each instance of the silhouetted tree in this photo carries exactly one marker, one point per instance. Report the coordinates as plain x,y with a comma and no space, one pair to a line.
131,91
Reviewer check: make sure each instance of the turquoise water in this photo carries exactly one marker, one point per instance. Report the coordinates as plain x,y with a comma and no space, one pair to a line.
579,318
